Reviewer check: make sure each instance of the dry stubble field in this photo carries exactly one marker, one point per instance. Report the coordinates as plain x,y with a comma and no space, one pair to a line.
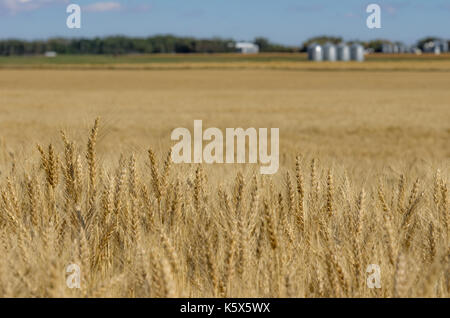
363,179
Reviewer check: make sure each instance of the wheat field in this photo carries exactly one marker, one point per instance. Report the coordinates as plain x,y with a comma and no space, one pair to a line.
363,179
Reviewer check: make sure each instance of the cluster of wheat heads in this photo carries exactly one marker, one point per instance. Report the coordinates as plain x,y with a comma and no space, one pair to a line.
158,231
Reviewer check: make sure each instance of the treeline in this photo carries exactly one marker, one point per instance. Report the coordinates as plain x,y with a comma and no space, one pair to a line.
116,45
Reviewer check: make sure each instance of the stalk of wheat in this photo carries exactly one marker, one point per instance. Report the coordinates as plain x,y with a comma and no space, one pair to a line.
146,229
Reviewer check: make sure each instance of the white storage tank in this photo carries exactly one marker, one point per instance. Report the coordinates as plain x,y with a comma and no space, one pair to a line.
436,49
443,46
403,48
386,48
315,52
343,52
395,49
415,50
357,52
329,52
432,47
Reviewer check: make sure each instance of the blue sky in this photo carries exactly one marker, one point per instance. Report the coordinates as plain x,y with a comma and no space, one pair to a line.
282,21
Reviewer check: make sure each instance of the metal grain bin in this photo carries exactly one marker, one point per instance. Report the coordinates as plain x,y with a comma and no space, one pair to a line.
357,52
315,53
444,46
436,50
395,49
386,48
415,50
343,52
329,52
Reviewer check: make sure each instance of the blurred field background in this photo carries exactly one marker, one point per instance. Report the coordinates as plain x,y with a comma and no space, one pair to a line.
366,113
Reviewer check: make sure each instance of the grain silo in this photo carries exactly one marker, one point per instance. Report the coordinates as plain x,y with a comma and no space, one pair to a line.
432,47
395,49
436,49
357,52
403,48
315,52
329,52
443,46
386,48
343,52
415,50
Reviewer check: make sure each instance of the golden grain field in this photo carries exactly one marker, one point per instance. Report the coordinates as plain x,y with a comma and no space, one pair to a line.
363,179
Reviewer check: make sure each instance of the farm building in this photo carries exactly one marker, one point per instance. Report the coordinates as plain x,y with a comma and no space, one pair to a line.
247,47
50,54
432,47
436,47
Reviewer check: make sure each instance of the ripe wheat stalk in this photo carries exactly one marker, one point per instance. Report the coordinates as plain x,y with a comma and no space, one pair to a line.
146,229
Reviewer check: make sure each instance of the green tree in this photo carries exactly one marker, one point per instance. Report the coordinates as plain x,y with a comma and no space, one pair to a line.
322,39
